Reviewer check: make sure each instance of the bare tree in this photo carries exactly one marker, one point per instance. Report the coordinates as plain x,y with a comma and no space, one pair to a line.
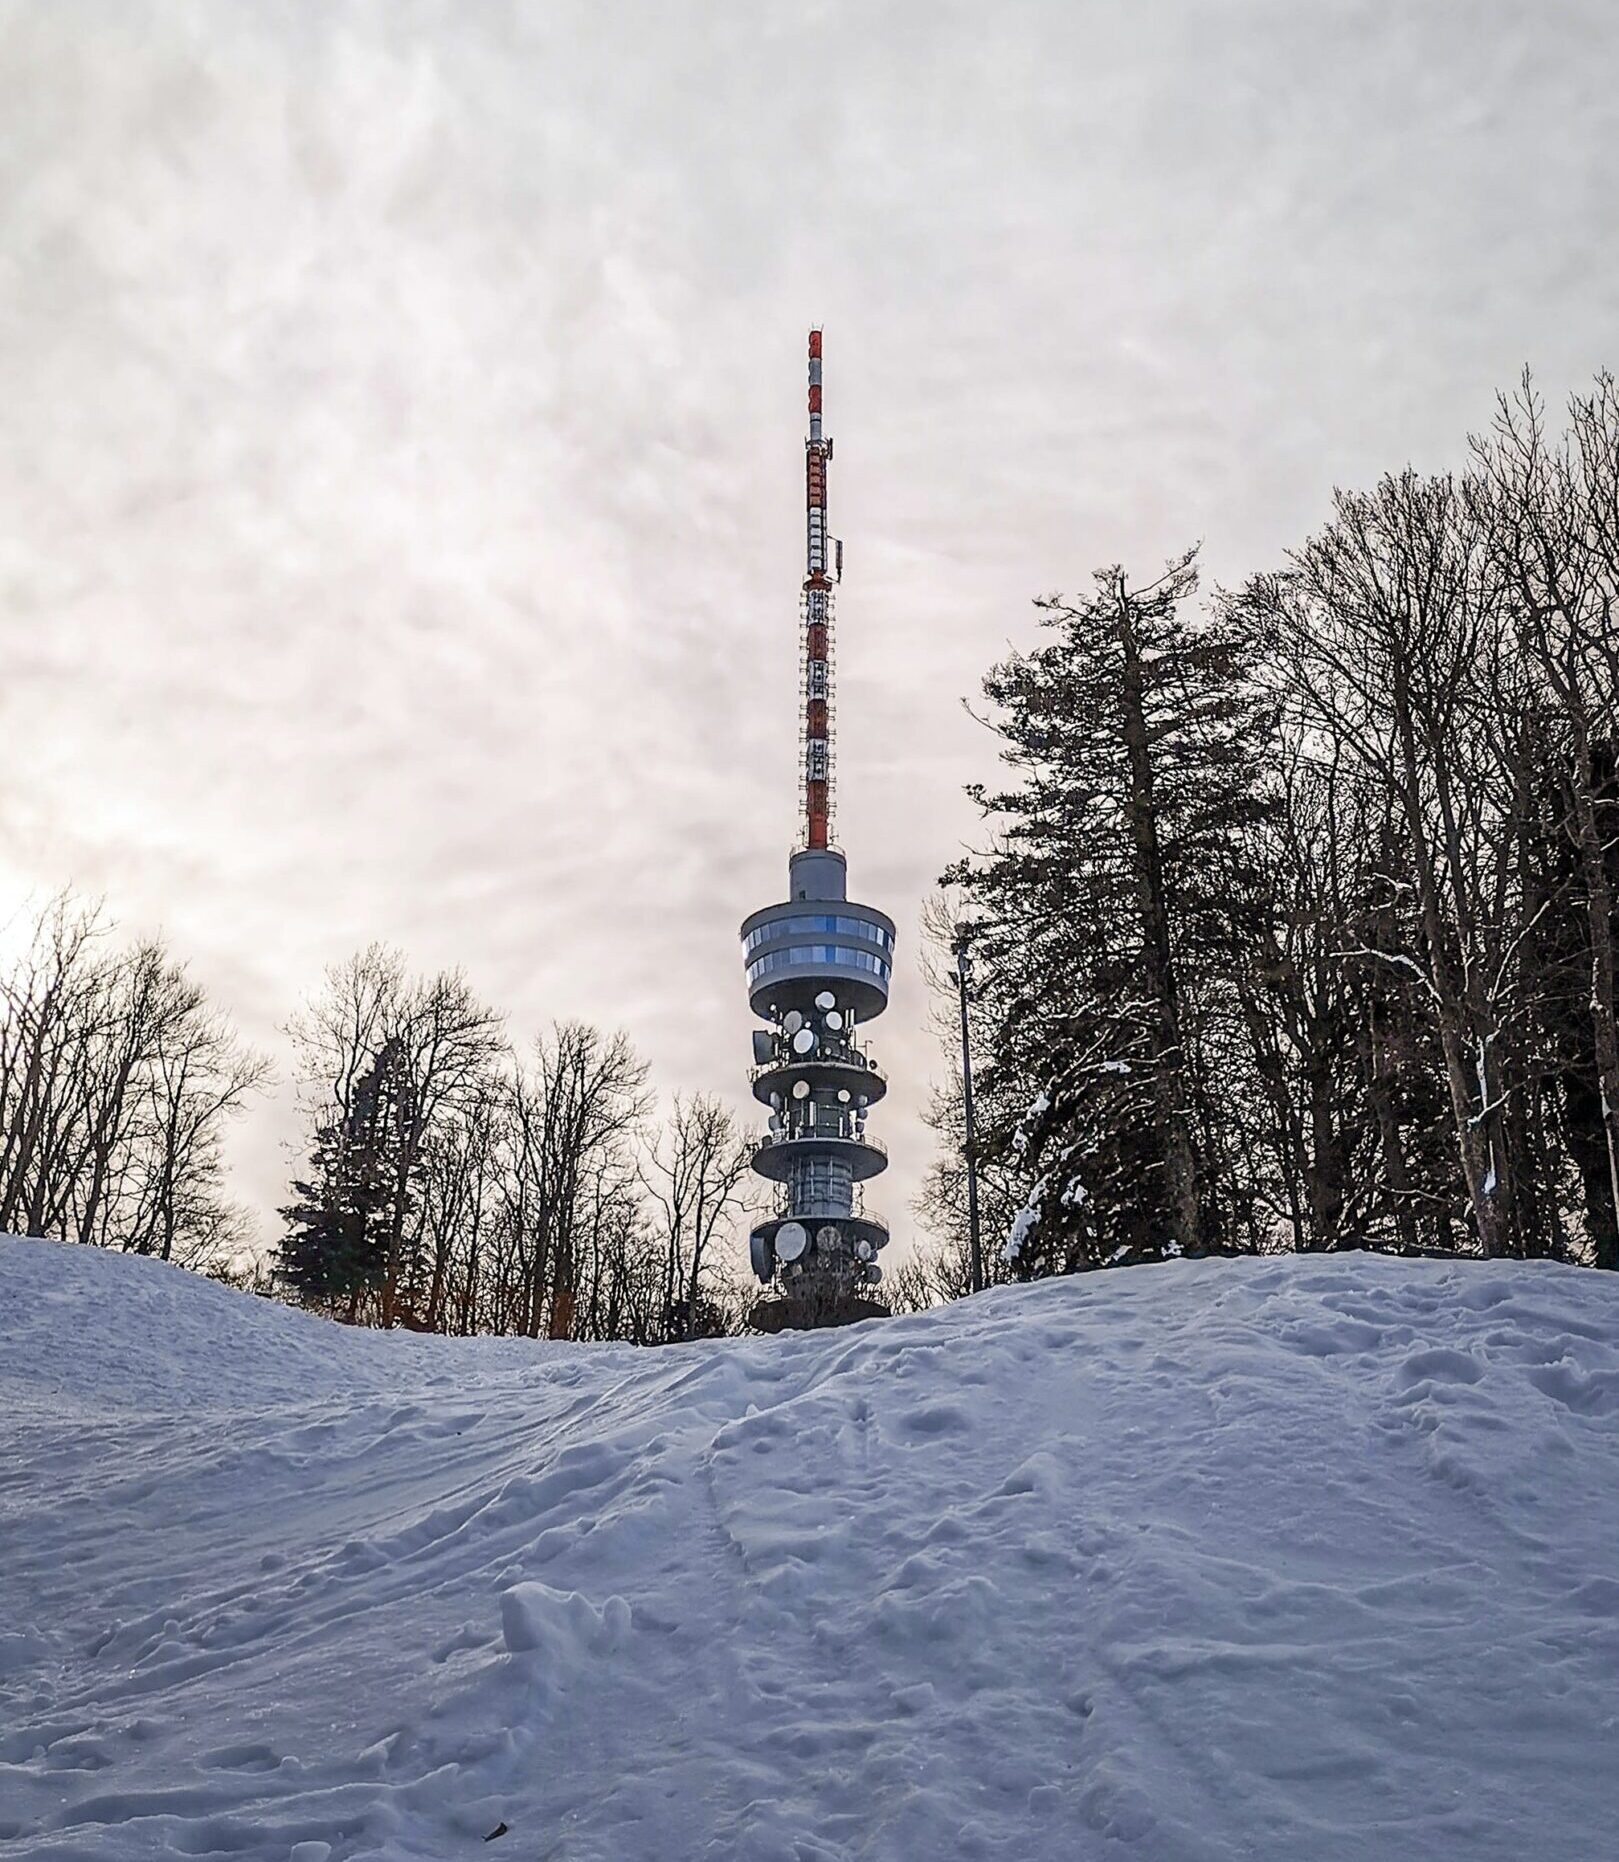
576,1109
1551,508
116,1082
1392,630
940,1267
696,1173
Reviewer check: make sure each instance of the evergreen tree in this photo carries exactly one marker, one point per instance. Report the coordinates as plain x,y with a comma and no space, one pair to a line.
1111,915
336,1250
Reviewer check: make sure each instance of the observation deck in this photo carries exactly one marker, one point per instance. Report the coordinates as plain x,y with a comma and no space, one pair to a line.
795,950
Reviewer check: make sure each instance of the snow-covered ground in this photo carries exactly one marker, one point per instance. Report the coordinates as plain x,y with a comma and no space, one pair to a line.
1302,1559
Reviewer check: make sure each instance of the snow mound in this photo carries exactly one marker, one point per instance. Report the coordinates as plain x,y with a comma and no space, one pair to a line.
1264,1559
562,1625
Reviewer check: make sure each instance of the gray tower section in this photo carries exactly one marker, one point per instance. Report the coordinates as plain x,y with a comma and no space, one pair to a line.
818,968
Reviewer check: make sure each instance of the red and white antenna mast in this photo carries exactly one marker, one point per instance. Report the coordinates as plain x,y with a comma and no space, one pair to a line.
816,617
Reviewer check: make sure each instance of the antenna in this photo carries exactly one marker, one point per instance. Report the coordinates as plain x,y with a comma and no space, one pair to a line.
816,610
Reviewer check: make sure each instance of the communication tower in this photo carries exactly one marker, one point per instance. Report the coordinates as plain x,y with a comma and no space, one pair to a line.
818,969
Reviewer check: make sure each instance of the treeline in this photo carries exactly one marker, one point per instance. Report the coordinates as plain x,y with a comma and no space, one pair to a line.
450,1184
1297,925
455,1185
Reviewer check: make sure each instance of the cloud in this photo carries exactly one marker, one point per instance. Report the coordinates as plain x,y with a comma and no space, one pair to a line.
402,463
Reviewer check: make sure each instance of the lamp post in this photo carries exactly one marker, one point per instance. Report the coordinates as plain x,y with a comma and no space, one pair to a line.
964,977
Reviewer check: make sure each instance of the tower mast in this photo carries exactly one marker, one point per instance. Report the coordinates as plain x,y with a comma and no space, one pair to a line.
818,968
817,622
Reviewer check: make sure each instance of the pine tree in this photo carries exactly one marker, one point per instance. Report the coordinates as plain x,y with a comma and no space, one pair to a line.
339,1230
1111,913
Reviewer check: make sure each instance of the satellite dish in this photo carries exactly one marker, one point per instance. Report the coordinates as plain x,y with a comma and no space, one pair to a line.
827,1237
843,1097
801,1089
759,1255
763,1046
826,1000
775,1124
804,1041
834,1020
775,1102
791,1240
864,1248
792,1021
864,1102
873,1272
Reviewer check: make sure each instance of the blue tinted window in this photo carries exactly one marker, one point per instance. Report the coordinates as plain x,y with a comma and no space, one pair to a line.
834,956
823,922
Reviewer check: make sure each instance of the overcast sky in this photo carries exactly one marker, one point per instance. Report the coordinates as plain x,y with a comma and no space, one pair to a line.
401,465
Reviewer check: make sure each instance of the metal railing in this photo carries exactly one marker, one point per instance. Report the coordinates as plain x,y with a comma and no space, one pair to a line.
855,1061
771,1141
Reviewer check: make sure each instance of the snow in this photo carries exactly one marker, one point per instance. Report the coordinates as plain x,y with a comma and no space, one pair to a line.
1259,1559
1039,1106
1022,1223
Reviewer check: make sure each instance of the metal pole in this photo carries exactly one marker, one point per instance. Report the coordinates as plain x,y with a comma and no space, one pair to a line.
975,1241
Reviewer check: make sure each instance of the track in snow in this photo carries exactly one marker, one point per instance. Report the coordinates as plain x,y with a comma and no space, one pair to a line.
1257,1559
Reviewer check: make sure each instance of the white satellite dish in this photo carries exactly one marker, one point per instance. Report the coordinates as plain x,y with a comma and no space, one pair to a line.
792,1021
791,1240
826,1000
827,1237
834,1020
801,1089
864,1248
775,1101
843,1097
804,1041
